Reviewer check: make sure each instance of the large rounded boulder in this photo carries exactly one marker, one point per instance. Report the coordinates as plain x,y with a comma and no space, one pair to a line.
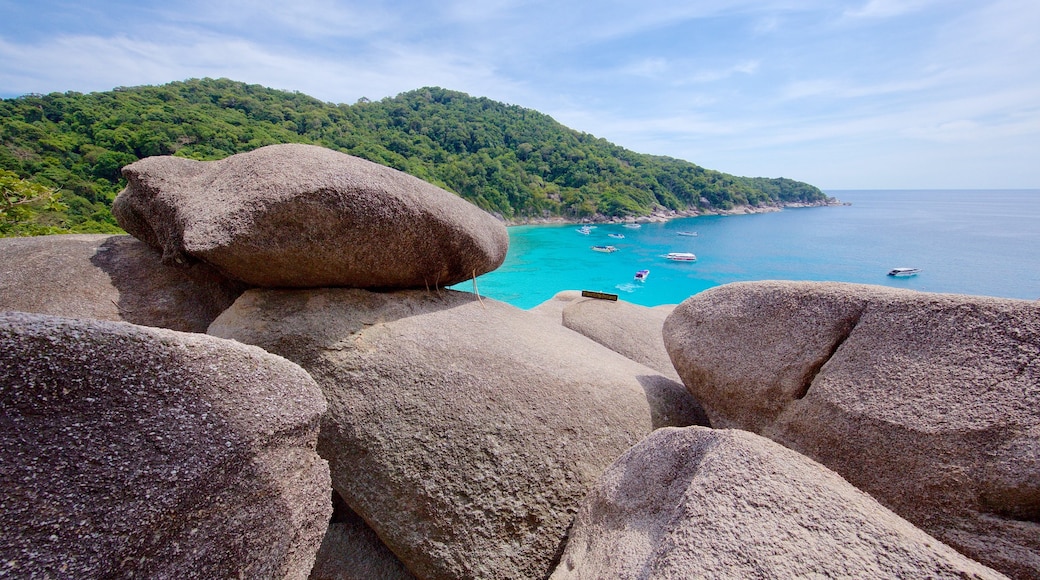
926,401
304,216
705,503
464,431
106,277
128,451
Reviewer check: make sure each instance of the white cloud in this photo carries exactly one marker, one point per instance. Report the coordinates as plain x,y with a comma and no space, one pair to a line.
888,8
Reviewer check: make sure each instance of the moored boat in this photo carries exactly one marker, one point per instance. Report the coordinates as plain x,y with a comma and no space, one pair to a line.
642,274
585,230
690,234
632,226
681,256
605,249
904,272
618,236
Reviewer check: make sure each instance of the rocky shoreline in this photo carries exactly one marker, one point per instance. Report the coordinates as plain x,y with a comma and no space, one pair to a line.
228,395
661,215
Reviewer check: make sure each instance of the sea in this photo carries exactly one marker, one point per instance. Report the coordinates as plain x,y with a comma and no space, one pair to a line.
980,242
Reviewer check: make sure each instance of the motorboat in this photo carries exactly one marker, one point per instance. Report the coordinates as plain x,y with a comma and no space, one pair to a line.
632,226
690,234
681,256
904,272
642,274
618,236
604,249
584,230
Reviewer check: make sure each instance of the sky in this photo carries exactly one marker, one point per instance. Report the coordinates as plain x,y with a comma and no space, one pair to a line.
843,94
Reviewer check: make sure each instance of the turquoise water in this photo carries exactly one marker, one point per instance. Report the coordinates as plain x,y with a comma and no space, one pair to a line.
966,242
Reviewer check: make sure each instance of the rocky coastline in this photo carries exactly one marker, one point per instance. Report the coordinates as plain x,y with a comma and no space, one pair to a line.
226,393
661,214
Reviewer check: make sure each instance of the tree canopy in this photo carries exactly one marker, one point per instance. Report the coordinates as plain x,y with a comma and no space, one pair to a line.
511,161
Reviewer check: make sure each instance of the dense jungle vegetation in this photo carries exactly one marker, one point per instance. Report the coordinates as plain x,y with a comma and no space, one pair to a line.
511,161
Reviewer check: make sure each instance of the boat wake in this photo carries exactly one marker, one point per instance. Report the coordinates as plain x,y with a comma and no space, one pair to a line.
627,287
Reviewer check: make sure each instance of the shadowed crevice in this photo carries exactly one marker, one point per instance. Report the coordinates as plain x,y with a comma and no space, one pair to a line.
844,332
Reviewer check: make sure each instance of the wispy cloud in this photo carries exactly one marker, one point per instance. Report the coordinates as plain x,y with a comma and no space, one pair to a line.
888,8
754,85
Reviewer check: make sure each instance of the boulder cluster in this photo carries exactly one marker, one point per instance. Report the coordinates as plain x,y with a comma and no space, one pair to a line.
270,379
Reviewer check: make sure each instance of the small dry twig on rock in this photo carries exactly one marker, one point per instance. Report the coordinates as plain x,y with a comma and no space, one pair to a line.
477,292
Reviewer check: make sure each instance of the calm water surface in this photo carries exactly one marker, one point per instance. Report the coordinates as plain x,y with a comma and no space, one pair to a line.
966,242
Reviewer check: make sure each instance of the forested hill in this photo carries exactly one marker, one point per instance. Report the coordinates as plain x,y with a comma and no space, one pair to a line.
509,160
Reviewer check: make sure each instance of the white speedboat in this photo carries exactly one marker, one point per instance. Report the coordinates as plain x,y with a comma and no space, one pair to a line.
617,236
584,230
604,249
632,226
904,272
642,274
681,256
690,234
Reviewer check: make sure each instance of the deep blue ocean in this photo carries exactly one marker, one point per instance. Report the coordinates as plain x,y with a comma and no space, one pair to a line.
965,242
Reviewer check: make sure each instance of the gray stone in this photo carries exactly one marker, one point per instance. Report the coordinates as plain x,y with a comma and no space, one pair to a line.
553,307
635,332
352,551
464,431
304,216
106,277
623,327
704,503
133,451
926,401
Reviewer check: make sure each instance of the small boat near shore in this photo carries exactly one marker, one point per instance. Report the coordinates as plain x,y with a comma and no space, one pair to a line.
617,236
681,256
904,272
690,234
632,226
584,230
642,275
604,249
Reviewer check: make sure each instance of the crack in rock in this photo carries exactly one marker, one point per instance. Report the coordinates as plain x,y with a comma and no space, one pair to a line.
843,334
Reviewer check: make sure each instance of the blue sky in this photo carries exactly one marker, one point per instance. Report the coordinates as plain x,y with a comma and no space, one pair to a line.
856,94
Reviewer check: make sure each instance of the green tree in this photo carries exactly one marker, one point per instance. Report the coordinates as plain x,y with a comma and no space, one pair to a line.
21,202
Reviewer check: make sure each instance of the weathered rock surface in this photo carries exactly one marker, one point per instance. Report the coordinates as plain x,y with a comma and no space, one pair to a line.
629,329
109,278
131,451
635,332
703,503
304,216
465,432
926,401
553,307
352,551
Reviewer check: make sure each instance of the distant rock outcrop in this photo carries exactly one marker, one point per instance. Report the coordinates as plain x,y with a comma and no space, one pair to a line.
703,503
305,216
105,277
926,401
465,431
128,451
